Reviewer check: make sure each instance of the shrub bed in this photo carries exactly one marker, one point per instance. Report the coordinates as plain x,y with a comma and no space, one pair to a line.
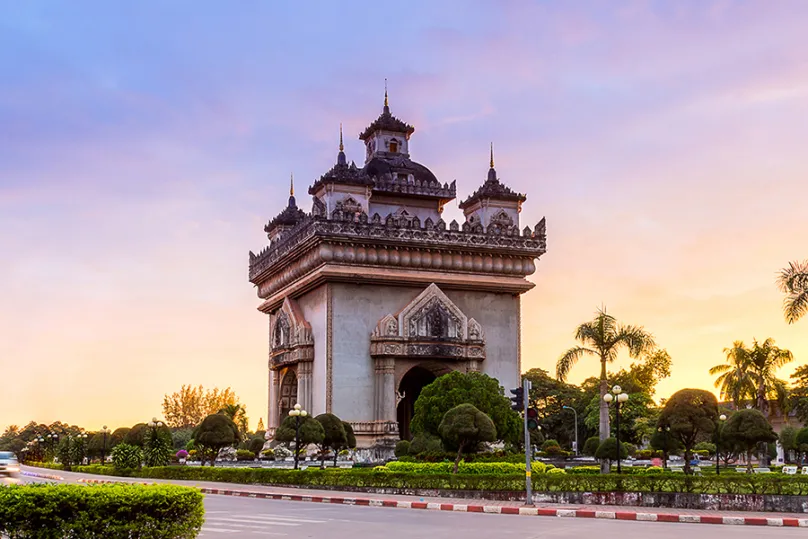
108,511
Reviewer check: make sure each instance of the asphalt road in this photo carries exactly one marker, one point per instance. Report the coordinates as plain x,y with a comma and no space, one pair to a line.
251,518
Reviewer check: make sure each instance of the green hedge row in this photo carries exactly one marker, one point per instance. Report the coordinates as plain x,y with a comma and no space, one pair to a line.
474,468
102,511
542,482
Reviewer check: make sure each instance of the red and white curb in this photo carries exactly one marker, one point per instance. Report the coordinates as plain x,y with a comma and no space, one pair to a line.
43,476
102,481
528,511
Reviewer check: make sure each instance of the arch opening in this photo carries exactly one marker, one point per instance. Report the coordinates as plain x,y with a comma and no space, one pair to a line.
410,387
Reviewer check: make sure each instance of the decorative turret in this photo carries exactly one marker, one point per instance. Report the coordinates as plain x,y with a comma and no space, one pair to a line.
387,136
493,202
287,219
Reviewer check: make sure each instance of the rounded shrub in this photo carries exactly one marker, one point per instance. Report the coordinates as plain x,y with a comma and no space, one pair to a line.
402,448
591,446
608,450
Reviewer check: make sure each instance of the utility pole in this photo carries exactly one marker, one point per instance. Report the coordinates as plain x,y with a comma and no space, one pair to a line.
526,386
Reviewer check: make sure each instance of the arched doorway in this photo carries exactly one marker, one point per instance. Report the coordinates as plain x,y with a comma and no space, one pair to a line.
288,394
410,387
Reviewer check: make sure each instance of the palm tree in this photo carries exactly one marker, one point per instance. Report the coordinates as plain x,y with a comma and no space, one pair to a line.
750,372
793,281
238,414
603,338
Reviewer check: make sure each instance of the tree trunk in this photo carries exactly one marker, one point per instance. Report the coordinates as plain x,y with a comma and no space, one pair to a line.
336,453
664,460
603,424
749,460
687,461
457,459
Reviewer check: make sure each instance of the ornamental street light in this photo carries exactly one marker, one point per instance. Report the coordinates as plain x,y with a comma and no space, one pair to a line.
618,398
720,425
81,440
52,439
297,412
576,426
104,431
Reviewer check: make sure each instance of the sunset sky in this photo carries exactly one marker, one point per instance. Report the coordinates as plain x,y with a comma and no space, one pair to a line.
144,145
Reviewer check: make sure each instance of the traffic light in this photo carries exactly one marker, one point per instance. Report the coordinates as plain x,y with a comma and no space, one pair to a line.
532,418
518,399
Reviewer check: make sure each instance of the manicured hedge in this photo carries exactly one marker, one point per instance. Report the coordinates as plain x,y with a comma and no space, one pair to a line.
102,511
475,468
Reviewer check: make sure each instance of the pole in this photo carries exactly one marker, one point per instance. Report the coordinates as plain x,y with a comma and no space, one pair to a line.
297,439
526,385
576,428
617,417
717,451
104,449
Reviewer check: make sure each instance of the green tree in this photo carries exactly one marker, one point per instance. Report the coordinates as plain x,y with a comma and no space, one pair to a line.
749,373
126,457
238,413
663,440
799,393
690,414
591,446
136,434
603,338
748,428
788,440
465,426
190,405
334,437
607,450
550,397
311,431
216,431
802,440
457,388
157,446
119,435
793,281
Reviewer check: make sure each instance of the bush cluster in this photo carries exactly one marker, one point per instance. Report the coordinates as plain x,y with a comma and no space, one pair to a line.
109,511
474,468
634,480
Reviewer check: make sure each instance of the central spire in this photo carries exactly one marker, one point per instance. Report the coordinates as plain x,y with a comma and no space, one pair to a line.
492,155
341,155
386,104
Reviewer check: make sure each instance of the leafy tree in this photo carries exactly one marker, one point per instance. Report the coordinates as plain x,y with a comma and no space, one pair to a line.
788,439
256,445
799,393
607,450
157,446
802,440
119,435
643,376
425,443
350,438
126,457
190,405
709,447
748,428
214,433
690,413
238,413
591,446
638,406
180,437
603,338
664,441
136,434
465,426
402,448
749,373
549,397
477,389
793,281
311,431
96,445
335,436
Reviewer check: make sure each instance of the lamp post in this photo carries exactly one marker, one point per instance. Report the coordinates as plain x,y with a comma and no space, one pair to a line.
104,431
52,439
81,440
721,420
576,426
618,398
297,412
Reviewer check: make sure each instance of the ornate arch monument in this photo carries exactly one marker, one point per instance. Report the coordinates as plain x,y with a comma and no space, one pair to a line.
371,294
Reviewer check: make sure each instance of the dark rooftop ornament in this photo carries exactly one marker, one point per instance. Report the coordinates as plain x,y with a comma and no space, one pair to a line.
387,122
492,188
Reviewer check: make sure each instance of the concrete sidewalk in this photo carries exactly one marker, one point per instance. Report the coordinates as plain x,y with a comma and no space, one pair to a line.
659,514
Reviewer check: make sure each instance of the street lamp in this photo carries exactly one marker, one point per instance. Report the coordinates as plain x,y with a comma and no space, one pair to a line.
81,440
297,412
576,426
104,431
618,398
721,418
52,439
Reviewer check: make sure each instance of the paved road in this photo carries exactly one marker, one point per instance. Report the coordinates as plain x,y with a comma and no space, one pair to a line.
251,518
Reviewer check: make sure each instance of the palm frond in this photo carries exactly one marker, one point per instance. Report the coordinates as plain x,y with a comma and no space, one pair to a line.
569,359
793,281
722,368
636,339
795,306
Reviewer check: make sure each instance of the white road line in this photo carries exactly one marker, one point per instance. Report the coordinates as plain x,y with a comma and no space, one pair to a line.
278,517
247,521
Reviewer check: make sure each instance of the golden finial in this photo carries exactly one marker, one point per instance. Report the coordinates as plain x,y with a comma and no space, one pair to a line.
292,184
385,92
492,155
341,147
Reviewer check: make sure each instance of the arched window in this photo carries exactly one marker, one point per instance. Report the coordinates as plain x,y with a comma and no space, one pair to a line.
393,146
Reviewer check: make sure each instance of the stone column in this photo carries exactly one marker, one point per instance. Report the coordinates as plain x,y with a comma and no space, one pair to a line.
385,389
304,385
274,400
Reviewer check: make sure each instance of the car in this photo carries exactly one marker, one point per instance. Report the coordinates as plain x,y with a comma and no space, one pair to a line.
9,465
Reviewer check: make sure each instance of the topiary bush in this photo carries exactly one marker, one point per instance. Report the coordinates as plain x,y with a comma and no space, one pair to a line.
127,457
608,450
108,511
244,454
402,448
591,446
425,443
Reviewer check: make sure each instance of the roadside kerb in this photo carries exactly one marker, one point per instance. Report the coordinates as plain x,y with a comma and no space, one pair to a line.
522,511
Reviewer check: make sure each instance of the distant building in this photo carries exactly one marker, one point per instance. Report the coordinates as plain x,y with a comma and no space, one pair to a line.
371,295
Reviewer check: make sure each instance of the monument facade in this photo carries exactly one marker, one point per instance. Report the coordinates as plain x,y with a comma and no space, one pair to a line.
371,295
